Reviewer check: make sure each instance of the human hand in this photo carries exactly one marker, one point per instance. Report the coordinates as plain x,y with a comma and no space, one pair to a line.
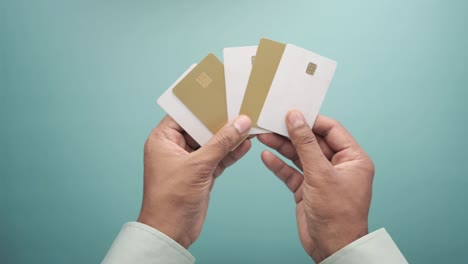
179,175
333,192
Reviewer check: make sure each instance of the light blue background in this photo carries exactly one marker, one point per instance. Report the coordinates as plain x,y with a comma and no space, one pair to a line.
78,89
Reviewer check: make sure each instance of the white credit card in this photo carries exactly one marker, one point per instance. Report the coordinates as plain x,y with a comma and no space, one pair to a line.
301,82
182,115
237,66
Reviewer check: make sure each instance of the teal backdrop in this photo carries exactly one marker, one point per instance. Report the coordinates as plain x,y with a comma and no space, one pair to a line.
79,83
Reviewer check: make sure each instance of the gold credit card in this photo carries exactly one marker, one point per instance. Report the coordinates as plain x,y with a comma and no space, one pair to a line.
203,91
265,64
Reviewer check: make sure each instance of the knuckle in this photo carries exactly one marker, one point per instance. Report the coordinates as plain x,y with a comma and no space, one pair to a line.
147,145
325,171
328,172
151,141
201,165
335,123
304,136
367,165
371,167
156,133
224,141
319,174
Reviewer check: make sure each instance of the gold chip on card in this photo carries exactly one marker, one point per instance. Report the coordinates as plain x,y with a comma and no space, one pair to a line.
203,91
311,68
204,80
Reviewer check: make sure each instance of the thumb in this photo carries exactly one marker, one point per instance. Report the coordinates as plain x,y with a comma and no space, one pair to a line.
225,140
306,144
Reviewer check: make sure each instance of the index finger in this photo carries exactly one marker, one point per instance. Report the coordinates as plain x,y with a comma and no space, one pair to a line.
334,134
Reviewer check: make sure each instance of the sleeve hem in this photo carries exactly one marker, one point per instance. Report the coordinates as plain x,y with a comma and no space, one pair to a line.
375,247
161,236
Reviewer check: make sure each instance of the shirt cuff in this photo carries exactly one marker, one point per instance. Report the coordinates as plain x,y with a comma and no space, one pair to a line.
139,243
376,247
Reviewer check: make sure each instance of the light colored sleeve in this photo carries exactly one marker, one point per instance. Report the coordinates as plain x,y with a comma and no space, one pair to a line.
139,243
376,247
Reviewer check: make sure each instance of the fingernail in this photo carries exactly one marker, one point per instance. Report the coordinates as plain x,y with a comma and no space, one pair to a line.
242,124
295,119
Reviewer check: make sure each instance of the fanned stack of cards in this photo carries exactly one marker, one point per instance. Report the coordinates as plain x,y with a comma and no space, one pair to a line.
263,82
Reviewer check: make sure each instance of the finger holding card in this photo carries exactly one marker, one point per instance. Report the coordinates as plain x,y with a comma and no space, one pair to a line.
285,77
301,82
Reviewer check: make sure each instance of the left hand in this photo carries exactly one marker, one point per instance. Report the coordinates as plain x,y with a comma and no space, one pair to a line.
179,175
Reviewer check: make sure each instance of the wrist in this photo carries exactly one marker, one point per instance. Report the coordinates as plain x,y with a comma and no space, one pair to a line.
334,243
166,227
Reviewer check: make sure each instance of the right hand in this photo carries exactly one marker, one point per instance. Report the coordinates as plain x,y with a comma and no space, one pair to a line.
179,175
334,188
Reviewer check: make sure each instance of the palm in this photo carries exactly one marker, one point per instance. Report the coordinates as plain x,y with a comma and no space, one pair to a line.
306,241
344,166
